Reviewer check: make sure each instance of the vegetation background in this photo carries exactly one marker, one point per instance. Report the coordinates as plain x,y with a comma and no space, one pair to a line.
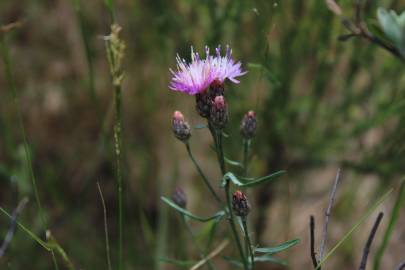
322,104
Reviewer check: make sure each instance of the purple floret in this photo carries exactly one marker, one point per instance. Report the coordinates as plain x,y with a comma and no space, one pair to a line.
195,77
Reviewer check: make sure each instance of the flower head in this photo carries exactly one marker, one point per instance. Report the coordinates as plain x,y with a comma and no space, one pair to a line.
225,67
195,77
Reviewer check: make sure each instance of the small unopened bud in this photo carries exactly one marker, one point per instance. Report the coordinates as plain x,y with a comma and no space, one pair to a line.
181,128
216,89
240,204
248,125
219,112
203,104
179,197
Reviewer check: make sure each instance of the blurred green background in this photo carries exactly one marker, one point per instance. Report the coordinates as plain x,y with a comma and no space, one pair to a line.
321,104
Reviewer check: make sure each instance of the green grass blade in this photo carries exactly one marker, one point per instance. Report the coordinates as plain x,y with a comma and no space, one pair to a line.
350,232
30,233
399,203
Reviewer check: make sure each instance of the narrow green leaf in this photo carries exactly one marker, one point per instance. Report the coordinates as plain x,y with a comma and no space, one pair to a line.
231,177
251,181
399,204
268,258
279,248
263,180
31,234
183,211
179,263
233,261
233,162
350,232
200,126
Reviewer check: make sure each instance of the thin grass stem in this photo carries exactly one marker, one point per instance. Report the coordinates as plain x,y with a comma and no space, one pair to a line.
55,263
350,232
200,171
11,81
87,50
107,240
200,250
118,145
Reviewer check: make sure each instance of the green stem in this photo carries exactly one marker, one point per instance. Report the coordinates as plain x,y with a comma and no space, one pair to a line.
207,183
200,250
218,146
87,49
248,242
246,147
118,144
232,224
55,263
217,136
11,81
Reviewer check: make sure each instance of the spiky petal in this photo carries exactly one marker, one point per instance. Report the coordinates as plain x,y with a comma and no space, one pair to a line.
192,78
195,77
225,67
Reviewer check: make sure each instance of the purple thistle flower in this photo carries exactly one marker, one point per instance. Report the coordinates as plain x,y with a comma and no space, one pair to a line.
195,77
225,67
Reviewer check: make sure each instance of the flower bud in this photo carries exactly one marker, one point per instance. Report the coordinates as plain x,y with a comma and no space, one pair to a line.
179,197
219,112
203,104
248,125
240,204
181,128
216,89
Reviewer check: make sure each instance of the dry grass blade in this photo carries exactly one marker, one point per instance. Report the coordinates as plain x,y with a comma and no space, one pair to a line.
334,7
107,240
8,27
214,253
327,215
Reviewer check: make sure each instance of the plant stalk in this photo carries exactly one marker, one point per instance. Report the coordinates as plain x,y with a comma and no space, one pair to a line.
232,224
118,145
205,179
246,147
248,242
